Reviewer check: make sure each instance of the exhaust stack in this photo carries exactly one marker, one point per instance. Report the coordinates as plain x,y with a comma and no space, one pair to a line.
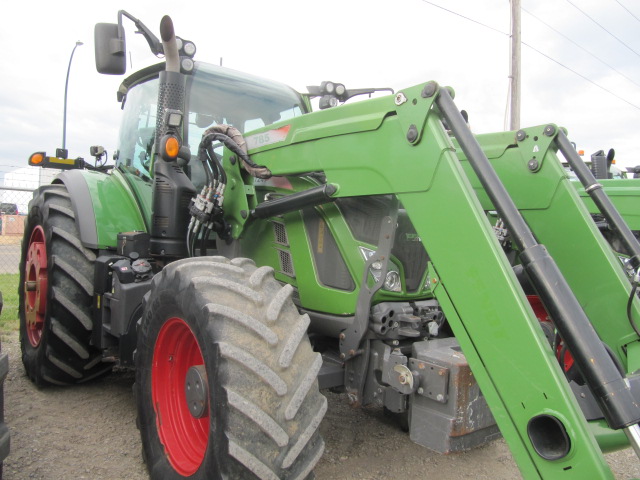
172,189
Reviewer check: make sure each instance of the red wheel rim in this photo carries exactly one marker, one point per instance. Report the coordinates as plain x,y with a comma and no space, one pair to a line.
183,436
36,286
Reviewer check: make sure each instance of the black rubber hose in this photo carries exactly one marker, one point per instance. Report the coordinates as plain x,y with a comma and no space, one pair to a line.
215,167
231,145
203,241
634,289
204,159
216,161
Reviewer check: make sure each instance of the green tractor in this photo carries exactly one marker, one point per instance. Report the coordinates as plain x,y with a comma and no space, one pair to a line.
245,253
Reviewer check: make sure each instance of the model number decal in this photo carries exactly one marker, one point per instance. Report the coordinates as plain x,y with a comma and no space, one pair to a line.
267,138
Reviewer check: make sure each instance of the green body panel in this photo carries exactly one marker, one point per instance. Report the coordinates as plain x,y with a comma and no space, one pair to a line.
367,153
115,207
377,162
528,189
624,193
141,189
257,241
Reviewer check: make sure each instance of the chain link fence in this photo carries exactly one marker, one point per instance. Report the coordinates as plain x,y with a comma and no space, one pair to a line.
18,184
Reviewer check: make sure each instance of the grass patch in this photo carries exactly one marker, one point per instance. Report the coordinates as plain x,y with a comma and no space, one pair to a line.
9,288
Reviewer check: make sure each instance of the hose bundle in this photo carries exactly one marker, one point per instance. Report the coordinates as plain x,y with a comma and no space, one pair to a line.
206,208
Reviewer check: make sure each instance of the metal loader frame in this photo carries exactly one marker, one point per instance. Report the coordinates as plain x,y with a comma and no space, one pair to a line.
447,196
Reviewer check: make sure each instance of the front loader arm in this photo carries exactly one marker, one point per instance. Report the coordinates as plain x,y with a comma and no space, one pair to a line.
496,329
397,145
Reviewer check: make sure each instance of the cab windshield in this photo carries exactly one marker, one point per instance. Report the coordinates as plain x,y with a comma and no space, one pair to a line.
215,95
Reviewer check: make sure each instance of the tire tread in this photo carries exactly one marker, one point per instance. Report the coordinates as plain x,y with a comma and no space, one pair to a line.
267,424
266,370
253,364
65,354
63,334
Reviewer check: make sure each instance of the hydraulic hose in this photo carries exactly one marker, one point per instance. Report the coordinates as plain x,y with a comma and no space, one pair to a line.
238,146
634,289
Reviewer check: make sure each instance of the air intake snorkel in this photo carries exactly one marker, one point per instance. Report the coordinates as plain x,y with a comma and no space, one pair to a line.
172,189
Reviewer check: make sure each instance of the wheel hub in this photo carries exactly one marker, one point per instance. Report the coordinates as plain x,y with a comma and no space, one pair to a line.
195,390
36,285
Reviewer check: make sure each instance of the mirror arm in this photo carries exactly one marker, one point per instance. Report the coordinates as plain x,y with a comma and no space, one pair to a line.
152,40
364,91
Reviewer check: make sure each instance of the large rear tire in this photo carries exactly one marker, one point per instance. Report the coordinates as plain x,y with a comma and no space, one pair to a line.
56,294
230,328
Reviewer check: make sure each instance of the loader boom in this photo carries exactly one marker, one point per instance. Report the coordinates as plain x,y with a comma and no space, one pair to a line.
369,152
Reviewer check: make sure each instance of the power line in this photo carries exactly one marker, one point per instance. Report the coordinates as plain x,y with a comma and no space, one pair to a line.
537,51
590,18
581,47
466,18
581,76
630,12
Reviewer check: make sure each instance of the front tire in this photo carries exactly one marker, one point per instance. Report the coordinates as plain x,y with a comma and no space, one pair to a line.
56,294
230,328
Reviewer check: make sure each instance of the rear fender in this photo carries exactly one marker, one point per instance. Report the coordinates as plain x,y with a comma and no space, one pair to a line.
103,205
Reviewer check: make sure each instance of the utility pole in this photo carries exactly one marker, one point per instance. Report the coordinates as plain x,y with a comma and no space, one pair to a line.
514,76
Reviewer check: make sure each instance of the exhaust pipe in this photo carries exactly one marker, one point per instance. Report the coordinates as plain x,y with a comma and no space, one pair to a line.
169,45
172,189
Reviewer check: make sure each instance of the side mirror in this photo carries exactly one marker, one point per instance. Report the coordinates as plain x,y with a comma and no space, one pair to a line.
111,58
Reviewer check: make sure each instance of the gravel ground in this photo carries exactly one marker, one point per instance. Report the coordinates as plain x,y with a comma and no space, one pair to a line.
89,432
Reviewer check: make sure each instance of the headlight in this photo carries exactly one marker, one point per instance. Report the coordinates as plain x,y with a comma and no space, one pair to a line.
392,281
328,87
189,49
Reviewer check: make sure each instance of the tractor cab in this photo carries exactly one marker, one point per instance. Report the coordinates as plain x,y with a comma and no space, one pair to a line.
214,96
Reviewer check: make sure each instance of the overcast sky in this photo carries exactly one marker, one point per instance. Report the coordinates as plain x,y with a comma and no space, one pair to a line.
362,43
